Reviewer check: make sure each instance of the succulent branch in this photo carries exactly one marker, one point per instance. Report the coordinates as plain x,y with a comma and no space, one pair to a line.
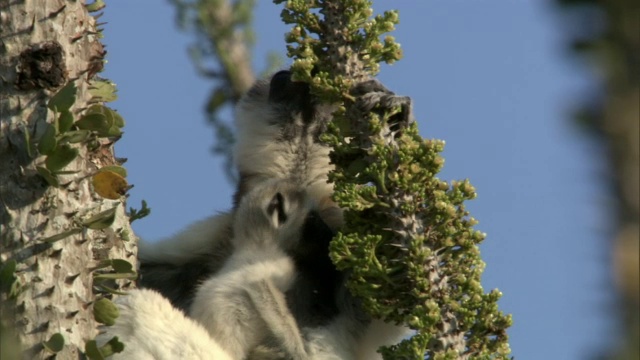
408,244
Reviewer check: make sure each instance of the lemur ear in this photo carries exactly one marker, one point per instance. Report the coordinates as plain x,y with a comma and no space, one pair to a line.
276,210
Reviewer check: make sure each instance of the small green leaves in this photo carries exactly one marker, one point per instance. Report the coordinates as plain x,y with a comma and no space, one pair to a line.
103,90
48,141
135,214
62,235
95,6
7,275
64,98
92,351
94,122
55,343
105,312
60,158
74,137
31,147
102,220
122,269
111,347
102,120
118,265
50,178
65,121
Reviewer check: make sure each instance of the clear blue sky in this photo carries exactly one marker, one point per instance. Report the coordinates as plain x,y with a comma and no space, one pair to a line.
490,77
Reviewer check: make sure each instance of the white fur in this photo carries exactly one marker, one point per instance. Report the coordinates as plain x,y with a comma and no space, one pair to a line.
223,308
379,334
243,303
152,329
261,151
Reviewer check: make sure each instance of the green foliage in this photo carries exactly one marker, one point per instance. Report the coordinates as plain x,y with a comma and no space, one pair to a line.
111,347
64,98
101,220
55,343
103,90
105,312
9,282
317,46
408,244
135,214
62,235
97,121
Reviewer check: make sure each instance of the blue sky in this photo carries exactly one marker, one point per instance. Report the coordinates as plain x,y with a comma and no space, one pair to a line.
490,77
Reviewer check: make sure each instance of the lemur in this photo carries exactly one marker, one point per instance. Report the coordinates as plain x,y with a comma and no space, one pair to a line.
278,128
243,306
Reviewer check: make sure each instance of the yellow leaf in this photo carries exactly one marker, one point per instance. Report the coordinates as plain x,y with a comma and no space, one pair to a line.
110,185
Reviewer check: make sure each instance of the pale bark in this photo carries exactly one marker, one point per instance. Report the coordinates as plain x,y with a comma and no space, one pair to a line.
56,277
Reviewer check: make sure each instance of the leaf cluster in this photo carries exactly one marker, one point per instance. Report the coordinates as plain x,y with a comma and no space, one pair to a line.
409,244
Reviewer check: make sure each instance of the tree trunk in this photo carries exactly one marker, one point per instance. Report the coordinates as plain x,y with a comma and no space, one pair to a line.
47,196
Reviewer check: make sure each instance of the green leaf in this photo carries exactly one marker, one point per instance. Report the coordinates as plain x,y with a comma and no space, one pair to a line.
64,98
7,277
50,178
98,284
92,351
117,119
102,220
62,235
122,266
103,90
60,158
95,6
111,347
105,312
112,132
119,265
31,149
65,121
55,343
48,141
94,122
116,169
135,214
129,276
75,136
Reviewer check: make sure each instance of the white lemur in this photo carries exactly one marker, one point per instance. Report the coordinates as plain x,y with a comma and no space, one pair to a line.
243,305
278,127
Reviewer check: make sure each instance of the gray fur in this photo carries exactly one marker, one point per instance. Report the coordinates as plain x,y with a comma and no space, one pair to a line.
244,303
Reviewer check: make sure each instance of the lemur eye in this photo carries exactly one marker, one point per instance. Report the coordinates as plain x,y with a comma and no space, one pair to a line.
276,210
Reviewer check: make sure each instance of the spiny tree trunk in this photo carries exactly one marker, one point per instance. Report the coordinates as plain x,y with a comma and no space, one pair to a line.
51,241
